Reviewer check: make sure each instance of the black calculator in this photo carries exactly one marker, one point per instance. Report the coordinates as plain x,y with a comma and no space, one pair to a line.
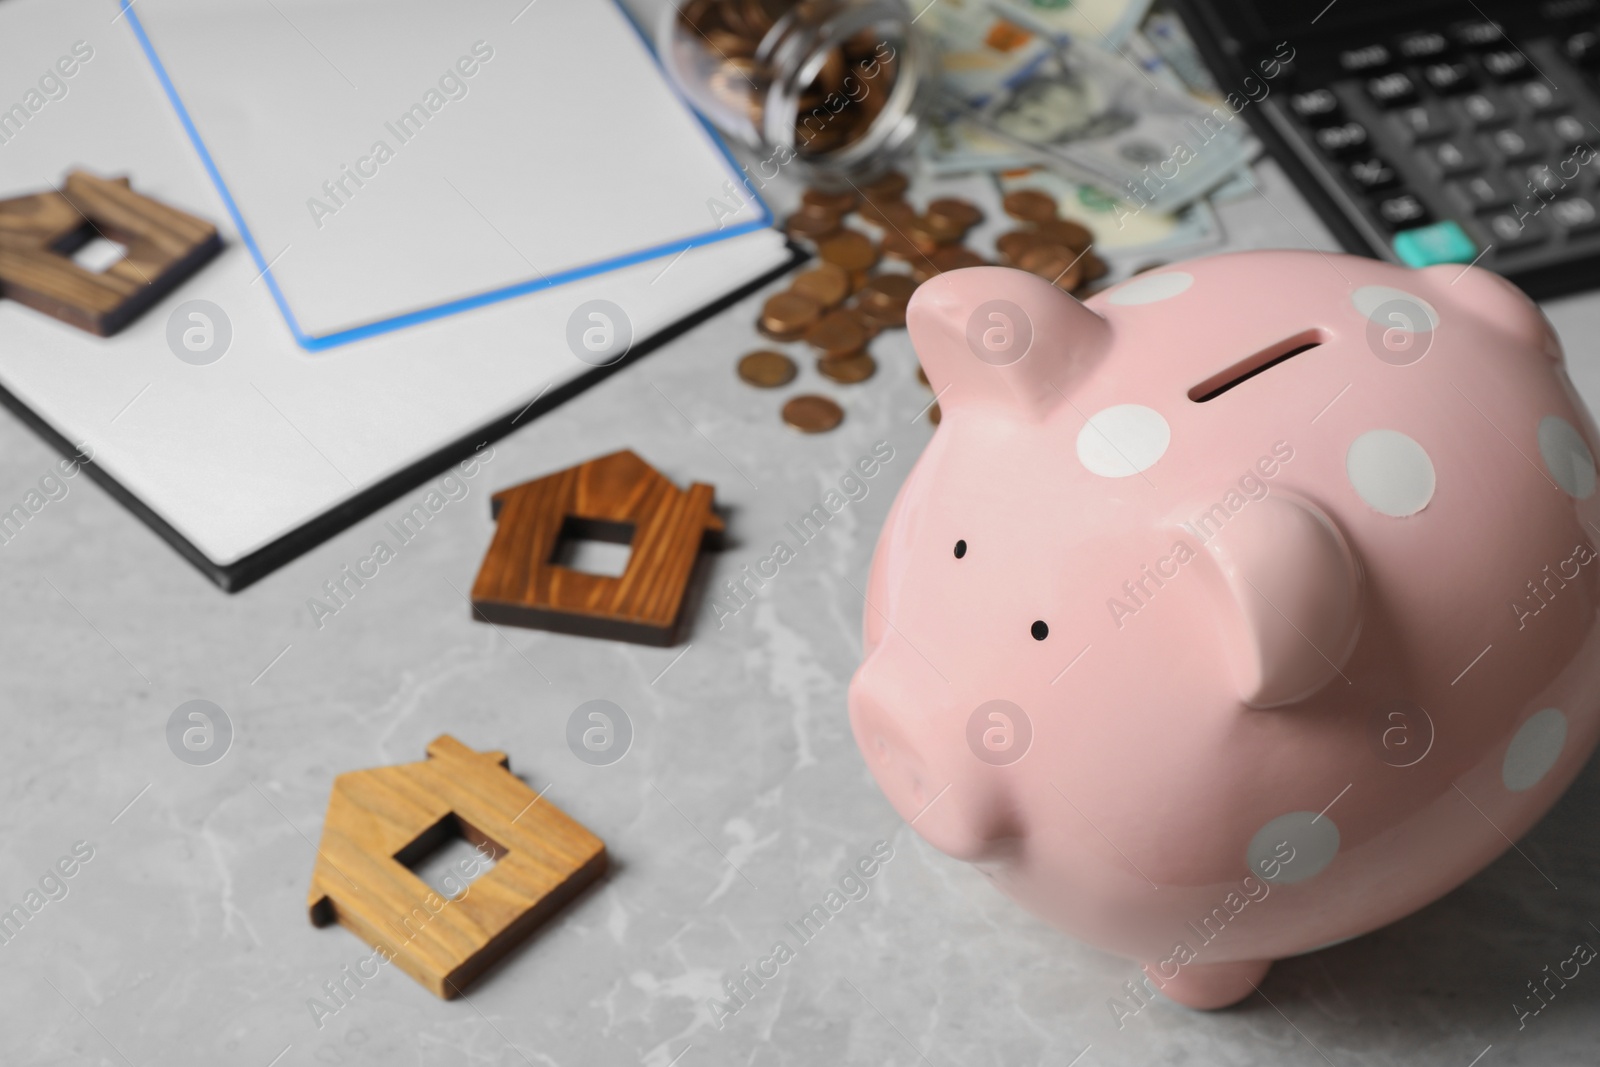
1429,132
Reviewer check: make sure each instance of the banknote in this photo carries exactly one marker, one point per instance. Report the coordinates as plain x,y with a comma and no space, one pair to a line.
1102,23
1097,116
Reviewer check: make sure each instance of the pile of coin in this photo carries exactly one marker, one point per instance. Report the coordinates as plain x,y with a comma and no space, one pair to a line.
1054,248
835,109
841,303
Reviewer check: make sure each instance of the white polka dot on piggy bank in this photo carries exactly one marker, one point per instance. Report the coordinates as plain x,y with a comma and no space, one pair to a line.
1304,636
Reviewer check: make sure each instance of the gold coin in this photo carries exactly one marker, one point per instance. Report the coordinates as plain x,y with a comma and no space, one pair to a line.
812,414
838,333
1030,205
827,283
849,370
787,316
851,250
766,369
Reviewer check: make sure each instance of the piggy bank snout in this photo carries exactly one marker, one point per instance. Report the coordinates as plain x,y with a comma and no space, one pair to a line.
916,746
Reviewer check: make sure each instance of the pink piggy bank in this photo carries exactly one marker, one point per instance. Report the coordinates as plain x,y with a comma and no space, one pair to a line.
1242,609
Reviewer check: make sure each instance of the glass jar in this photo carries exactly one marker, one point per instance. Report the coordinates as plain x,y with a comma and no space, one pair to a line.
837,87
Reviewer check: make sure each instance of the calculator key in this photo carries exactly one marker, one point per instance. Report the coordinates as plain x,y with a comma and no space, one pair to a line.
1514,146
1538,97
1442,242
1402,212
1485,109
1453,157
1583,48
1449,78
1342,139
1421,122
1316,107
1574,215
1569,130
1425,45
1360,60
1506,64
1483,191
1476,34
1540,181
1372,174
1392,90
1511,229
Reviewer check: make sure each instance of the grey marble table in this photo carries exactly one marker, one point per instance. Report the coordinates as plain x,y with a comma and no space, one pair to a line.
742,802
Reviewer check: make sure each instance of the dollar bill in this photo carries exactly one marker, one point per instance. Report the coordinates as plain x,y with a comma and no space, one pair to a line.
1101,23
1095,116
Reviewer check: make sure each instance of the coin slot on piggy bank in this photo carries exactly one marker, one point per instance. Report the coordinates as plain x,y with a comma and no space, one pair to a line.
1262,361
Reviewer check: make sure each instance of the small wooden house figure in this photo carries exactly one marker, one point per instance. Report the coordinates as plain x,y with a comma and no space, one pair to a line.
618,498
39,234
382,821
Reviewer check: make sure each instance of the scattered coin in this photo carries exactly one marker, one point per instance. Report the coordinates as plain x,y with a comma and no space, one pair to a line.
836,203
827,283
889,214
811,226
787,316
942,229
766,369
1056,264
963,213
1065,232
851,250
812,414
849,370
956,258
837,334
891,186
887,291
1029,205
1013,243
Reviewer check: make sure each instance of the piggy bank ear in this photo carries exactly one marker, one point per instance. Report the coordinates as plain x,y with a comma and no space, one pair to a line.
1493,302
1289,601
993,337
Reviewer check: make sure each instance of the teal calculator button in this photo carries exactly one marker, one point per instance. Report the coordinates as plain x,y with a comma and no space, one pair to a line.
1442,242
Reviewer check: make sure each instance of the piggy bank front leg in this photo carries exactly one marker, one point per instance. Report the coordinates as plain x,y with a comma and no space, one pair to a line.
1207,986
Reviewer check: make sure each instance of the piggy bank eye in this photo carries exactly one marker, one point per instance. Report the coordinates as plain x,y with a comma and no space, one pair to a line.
1040,631
961,549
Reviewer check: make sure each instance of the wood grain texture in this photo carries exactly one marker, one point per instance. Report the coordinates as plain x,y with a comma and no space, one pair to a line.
518,583
544,858
39,233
